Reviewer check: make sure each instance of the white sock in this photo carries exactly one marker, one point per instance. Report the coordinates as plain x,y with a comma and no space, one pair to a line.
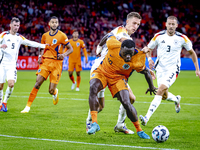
122,115
1,96
8,93
171,97
153,106
89,118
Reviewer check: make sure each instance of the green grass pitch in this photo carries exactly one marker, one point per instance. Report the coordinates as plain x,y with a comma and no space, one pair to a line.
62,126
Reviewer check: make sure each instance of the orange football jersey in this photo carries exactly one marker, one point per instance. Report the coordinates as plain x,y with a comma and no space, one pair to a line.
56,42
114,65
76,54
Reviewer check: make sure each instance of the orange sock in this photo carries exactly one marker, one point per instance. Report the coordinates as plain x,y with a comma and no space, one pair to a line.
94,116
137,126
55,91
32,96
78,78
72,79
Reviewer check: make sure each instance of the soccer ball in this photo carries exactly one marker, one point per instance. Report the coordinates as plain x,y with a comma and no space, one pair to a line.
160,133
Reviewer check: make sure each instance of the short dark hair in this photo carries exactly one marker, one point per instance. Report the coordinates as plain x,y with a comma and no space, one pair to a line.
53,17
14,19
75,30
134,14
128,43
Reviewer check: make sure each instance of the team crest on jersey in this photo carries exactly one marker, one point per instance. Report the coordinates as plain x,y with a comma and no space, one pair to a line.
126,66
77,44
54,41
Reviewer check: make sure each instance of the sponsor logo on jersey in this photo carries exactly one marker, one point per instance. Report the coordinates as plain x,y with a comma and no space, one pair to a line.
163,41
39,70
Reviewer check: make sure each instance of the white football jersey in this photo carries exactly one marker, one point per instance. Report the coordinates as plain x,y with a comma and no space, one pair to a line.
169,49
118,32
9,55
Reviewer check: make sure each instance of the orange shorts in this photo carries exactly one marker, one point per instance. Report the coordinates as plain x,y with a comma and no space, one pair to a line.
75,65
115,84
50,67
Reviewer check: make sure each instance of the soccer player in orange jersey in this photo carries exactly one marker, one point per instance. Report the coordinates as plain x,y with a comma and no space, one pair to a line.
121,60
51,61
75,59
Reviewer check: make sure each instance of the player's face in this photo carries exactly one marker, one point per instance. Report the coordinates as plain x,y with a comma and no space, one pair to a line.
171,26
14,27
127,53
53,23
132,25
75,35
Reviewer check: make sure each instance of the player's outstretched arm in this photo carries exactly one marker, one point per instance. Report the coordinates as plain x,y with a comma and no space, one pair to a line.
149,80
195,61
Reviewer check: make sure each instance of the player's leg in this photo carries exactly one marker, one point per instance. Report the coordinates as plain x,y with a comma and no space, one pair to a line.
120,126
8,92
101,100
78,80
71,76
1,95
54,91
11,75
154,104
95,87
123,96
39,80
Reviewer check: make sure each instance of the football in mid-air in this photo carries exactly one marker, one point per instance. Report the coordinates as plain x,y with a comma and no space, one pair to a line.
160,133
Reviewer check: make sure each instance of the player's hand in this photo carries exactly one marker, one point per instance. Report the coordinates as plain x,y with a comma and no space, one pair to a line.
151,64
86,61
40,60
145,49
154,90
61,56
4,46
152,74
197,73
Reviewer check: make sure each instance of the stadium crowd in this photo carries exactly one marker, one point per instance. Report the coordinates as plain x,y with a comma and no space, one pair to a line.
94,18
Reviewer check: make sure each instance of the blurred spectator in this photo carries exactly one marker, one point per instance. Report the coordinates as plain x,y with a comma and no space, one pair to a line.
94,18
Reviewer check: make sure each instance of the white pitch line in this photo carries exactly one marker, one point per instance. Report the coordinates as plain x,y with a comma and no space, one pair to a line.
79,99
76,142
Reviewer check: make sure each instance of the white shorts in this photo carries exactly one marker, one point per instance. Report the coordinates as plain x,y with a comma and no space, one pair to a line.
8,73
167,78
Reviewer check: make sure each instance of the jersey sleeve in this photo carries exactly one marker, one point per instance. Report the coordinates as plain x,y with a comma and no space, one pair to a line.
113,43
65,40
154,42
84,50
31,43
187,43
121,32
1,37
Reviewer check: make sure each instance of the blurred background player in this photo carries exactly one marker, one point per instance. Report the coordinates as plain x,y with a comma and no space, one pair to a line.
51,62
169,45
75,59
10,42
121,33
